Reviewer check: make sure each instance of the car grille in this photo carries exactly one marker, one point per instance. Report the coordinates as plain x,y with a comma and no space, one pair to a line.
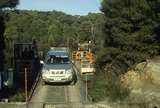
57,72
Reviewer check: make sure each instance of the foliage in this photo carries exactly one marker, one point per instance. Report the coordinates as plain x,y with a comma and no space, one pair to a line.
130,30
131,36
108,86
105,56
8,3
50,29
4,4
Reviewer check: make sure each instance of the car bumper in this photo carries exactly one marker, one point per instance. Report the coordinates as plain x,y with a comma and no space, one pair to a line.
59,80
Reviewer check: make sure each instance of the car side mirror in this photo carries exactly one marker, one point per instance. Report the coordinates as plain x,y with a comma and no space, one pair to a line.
72,62
41,62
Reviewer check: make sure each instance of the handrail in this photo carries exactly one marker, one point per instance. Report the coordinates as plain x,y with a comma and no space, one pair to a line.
34,86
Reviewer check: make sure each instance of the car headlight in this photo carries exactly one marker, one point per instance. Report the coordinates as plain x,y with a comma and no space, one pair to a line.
44,77
44,71
70,76
69,71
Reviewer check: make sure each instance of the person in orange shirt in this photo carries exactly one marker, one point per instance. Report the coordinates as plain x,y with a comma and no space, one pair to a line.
89,57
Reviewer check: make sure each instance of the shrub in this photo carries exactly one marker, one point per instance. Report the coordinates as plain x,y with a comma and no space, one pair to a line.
107,85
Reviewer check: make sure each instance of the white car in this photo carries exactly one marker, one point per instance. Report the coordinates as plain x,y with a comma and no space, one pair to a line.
57,67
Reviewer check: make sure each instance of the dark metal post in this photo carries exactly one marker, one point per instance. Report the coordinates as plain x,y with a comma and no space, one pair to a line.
26,93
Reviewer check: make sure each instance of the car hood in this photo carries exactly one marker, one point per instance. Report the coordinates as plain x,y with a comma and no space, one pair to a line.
57,66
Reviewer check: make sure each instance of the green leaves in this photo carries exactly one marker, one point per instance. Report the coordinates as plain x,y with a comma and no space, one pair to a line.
128,23
132,29
53,28
8,3
4,4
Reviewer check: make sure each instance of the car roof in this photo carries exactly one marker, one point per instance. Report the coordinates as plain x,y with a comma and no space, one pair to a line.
58,53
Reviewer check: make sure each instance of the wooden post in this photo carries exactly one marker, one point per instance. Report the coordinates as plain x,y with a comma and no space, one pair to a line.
26,93
86,88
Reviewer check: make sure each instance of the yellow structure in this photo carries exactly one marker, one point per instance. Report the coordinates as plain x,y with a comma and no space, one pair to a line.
85,59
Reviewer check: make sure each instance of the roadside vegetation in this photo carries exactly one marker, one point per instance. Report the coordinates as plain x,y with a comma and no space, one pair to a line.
108,86
131,36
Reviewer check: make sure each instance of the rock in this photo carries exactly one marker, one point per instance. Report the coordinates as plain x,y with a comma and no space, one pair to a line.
144,82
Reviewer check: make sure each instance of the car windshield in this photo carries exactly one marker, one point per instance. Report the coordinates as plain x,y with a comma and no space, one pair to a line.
57,60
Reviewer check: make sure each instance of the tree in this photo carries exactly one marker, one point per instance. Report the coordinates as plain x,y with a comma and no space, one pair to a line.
131,36
51,29
4,4
8,3
129,28
155,6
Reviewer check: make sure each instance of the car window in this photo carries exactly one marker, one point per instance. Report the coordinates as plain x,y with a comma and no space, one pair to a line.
57,60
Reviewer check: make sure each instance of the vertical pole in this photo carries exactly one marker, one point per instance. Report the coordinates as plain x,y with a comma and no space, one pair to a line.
86,87
26,93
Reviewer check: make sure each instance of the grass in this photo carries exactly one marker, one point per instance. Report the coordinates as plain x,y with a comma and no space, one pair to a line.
19,96
108,86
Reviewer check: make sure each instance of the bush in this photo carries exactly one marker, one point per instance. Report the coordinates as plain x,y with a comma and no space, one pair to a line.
118,61
108,85
105,56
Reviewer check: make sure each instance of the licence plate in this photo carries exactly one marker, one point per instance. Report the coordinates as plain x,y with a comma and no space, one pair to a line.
57,79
